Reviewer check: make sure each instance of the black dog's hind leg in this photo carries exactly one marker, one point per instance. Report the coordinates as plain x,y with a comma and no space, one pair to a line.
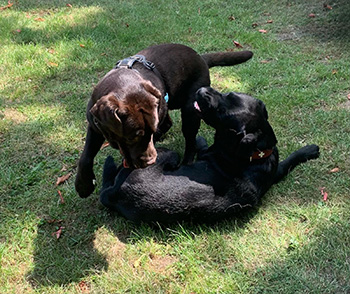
202,147
297,157
110,171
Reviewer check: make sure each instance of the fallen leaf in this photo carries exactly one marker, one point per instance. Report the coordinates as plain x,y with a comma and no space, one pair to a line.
270,21
82,45
9,4
39,19
61,197
52,64
69,5
52,51
84,287
254,25
127,25
327,6
58,233
63,178
324,194
334,170
237,44
348,96
231,18
104,145
334,71
264,61
263,31
52,221
312,15
190,30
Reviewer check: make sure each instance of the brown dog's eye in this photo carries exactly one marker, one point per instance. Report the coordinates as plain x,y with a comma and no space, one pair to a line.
140,133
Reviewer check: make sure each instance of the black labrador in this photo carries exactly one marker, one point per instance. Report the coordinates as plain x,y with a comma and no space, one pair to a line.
129,106
232,174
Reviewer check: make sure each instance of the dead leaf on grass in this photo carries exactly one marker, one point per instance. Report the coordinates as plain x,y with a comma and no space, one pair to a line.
326,6
324,194
52,221
263,31
69,5
254,25
348,96
82,45
9,4
334,170
61,197
52,64
238,45
104,145
62,179
39,19
58,233
312,15
264,61
231,18
270,21
84,287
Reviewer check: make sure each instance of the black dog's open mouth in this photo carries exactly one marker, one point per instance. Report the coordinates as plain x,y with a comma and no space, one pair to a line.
196,106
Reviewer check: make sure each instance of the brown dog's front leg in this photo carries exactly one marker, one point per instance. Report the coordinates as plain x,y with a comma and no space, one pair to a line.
84,181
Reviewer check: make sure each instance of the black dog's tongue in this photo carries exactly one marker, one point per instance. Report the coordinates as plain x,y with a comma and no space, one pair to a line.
196,106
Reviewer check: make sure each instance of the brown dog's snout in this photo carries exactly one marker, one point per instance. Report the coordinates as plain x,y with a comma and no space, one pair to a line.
142,159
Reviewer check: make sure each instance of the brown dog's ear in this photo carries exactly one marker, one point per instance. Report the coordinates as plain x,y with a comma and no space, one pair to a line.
150,108
105,111
151,89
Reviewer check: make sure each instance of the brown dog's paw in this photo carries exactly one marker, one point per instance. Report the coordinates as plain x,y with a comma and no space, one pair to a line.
85,185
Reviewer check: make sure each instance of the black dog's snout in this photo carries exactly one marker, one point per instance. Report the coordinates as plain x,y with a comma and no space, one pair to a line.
202,91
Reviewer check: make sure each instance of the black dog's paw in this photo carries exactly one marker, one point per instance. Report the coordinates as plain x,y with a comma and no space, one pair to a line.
109,172
310,151
201,143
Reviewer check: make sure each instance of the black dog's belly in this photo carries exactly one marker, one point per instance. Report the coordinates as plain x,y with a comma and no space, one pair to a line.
190,193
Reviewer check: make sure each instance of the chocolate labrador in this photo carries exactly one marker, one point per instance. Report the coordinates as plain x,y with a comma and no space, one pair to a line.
129,106
232,174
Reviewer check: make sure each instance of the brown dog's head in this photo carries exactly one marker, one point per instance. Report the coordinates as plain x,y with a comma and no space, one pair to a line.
128,119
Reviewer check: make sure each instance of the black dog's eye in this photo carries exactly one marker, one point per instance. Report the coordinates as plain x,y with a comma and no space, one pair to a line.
221,110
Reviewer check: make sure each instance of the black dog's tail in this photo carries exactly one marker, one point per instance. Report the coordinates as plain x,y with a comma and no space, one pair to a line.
302,155
226,58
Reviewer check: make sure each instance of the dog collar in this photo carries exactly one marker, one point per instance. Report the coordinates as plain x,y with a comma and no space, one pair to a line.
261,154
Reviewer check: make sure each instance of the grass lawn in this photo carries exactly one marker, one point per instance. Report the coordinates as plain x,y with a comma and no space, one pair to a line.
51,56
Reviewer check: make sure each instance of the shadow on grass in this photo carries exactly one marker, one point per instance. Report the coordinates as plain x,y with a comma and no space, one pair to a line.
75,256
333,23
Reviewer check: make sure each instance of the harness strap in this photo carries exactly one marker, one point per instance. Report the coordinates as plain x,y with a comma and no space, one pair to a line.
129,62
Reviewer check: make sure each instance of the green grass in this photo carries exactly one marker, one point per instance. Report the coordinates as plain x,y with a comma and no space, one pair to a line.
52,56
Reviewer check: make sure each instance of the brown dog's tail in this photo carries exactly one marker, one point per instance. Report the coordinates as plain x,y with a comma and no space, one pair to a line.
226,58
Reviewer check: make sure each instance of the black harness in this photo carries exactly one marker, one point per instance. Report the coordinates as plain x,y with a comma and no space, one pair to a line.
129,62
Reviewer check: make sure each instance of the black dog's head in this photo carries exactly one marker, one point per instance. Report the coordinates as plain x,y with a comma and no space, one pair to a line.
239,119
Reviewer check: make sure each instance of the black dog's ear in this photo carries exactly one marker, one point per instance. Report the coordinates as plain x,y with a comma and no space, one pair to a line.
247,145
